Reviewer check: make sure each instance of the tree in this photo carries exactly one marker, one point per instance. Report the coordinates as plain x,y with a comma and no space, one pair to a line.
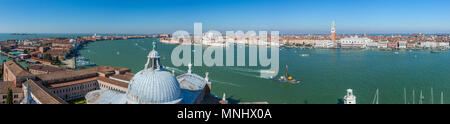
9,97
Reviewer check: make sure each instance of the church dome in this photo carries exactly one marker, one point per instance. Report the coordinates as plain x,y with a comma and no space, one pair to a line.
154,87
153,84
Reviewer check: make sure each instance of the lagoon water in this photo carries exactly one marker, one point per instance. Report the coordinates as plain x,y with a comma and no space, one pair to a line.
326,74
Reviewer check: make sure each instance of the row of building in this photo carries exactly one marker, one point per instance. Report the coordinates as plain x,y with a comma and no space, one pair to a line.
41,84
39,50
356,42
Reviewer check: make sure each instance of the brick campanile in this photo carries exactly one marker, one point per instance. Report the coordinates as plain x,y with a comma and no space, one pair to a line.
333,34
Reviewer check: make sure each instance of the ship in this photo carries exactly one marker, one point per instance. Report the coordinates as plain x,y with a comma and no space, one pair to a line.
435,51
286,78
304,55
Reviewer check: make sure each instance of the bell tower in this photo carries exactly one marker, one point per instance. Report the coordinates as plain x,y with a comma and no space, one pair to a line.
333,33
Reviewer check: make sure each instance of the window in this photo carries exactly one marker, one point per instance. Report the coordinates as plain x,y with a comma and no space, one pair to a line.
16,96
4,96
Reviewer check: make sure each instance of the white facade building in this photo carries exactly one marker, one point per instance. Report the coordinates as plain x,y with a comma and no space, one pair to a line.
383,44
372,44
324,44
428,44
354,42
402,44
444,44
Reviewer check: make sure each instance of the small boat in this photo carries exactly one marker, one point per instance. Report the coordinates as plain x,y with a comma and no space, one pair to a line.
268,71
434,51
396,52
286,78
304,55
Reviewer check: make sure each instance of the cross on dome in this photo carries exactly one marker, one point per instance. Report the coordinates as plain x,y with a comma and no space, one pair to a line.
153,62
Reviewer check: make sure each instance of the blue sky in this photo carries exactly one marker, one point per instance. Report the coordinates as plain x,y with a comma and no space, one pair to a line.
167,16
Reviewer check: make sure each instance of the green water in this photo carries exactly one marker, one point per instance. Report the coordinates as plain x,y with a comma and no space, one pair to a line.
326,73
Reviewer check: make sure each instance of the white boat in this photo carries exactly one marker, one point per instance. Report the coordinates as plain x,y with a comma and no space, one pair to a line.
304,55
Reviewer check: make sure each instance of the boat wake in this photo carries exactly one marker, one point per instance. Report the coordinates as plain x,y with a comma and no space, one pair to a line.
251,72
141,47
226,83
243,70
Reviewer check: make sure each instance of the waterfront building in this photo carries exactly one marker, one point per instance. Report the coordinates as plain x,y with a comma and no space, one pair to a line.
383,44
428,45
333,33
372,45
155,85
164,35
349,98
302,42
96,37
324,44
73,85
17,92
410,45
393,44
354,42
444,45
402,44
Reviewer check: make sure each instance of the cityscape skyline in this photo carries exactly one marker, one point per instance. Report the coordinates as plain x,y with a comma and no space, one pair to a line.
288,17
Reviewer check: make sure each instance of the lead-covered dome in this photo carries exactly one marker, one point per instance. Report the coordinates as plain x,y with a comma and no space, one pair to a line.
154,87
153,84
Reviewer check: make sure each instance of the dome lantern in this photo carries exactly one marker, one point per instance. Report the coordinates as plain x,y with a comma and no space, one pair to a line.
153,62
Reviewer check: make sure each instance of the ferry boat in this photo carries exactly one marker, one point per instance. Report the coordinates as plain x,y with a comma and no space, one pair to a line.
304,55
435,51
286,78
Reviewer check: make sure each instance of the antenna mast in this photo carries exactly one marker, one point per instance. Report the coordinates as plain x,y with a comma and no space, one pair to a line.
375,99
432,97
405,94
414,100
